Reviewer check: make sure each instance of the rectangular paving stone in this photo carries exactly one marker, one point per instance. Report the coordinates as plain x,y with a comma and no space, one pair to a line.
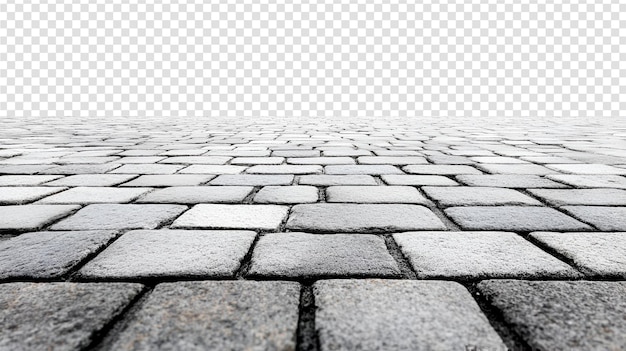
345,152
14,195
441,169
591,181
326,180
215,315
321,160
598,254
120,216
562,315
362,218
473,195
26,180
92,195
391,160
59,316
82,169
171,253
197,160
580,168
417,180
497,159
285,169
513,218
602,217
296,153
509,181
362,169
23,169
302,255
212,169
478,255
400,315
516,169
287,194
266,217
375,194
561,197
162,180
253,179
197,194
92,180
239,153
147,169
32,217
139,159
257,161
47,255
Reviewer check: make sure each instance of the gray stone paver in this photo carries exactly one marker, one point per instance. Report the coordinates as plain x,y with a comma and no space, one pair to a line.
513,218
93,195
120,216
48,254
599,254
362,218
32,217
231,168
602,217
286,194
472,196
171,253
197,194
477,255
59,316
375,194
563,197
267,217
302,255
224,315
400,315
13,195
553,315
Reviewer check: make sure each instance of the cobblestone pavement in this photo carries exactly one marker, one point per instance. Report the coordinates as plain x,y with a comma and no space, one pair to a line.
280,234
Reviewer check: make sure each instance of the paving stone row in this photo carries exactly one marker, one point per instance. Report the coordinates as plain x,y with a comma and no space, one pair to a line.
312,235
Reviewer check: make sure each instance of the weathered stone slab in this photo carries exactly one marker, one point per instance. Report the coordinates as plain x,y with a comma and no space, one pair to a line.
400,315
516,169
470,195
253,179
286,195
327,180
440,169
478,255
26,180
587,168
509,181
32,217
561,315
160,180
93,195
92,180
197,194
302,255
375,194
362,169
417,180
513,218
285,169
598,254
171,253
120,216
59,316
321,161
591,181
48,254
391,160
17,195
150,168
212,169
362,218
267,217
212,315
562,197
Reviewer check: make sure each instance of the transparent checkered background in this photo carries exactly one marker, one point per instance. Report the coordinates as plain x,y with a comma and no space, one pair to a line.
328,58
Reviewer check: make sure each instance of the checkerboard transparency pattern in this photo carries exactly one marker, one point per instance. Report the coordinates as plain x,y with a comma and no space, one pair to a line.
326,58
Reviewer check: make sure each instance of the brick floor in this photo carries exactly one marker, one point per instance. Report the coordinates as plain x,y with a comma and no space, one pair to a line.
312,234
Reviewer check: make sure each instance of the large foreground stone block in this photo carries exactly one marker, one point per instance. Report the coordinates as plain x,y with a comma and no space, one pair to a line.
211,315
171,253
553,315
400,315
58,316
267,217
32,217
302,255
362,218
